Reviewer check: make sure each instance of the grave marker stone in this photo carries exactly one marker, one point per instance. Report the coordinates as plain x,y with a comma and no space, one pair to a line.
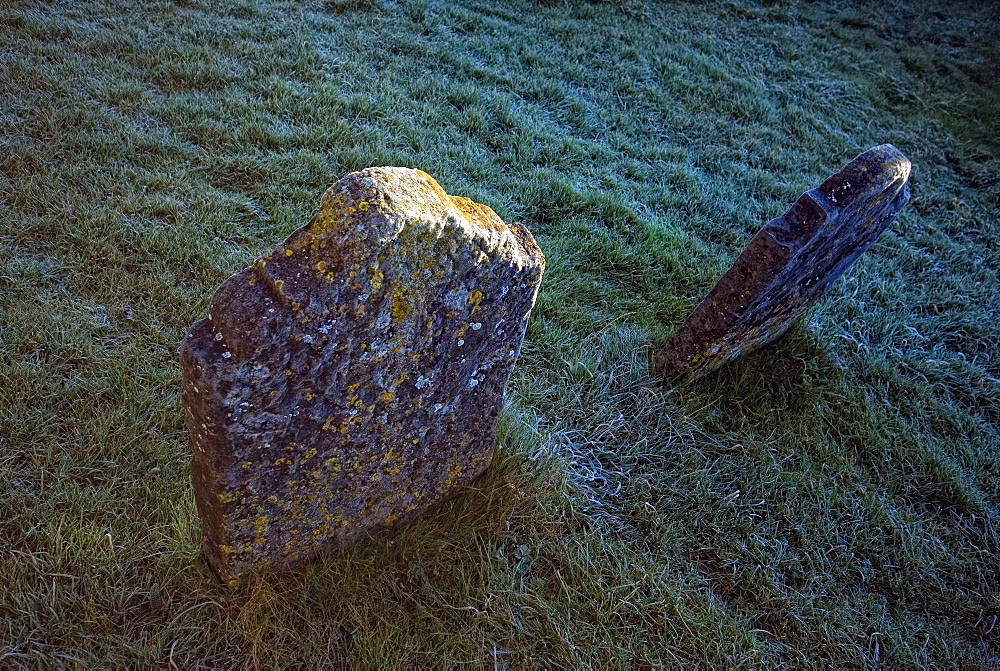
353,377
790,263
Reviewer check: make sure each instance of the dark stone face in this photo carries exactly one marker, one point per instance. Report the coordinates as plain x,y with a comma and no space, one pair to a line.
791,263
353,377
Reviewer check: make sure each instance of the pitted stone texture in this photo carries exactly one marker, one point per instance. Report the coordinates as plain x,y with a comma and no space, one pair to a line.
353,377
790,263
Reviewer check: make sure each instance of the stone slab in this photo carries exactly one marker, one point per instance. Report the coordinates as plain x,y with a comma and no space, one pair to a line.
789,265
353,377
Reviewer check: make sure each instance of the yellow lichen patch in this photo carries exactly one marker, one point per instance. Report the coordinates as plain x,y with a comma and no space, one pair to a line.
376,280
288,252
400,308
475,296
321,267
310,396
476,213
363,206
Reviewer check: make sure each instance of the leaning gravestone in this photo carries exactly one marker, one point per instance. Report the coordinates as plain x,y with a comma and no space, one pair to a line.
353,377
790,263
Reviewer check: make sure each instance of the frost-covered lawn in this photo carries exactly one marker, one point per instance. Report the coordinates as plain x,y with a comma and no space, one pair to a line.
829,501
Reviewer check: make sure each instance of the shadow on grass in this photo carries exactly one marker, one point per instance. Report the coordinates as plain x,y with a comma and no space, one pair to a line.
783,378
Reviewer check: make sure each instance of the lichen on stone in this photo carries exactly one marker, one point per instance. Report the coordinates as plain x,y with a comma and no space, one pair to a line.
353,377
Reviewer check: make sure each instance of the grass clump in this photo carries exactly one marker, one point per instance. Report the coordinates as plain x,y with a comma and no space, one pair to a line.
828,501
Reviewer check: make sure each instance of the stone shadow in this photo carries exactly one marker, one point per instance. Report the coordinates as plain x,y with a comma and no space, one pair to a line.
782,378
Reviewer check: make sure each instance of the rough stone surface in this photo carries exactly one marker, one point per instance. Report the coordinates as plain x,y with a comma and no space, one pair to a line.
353,377
790,263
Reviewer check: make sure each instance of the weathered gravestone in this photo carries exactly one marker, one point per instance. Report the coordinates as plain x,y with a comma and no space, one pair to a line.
790,263
353,377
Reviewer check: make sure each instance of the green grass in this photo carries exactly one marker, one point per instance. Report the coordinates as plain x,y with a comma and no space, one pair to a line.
831,501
